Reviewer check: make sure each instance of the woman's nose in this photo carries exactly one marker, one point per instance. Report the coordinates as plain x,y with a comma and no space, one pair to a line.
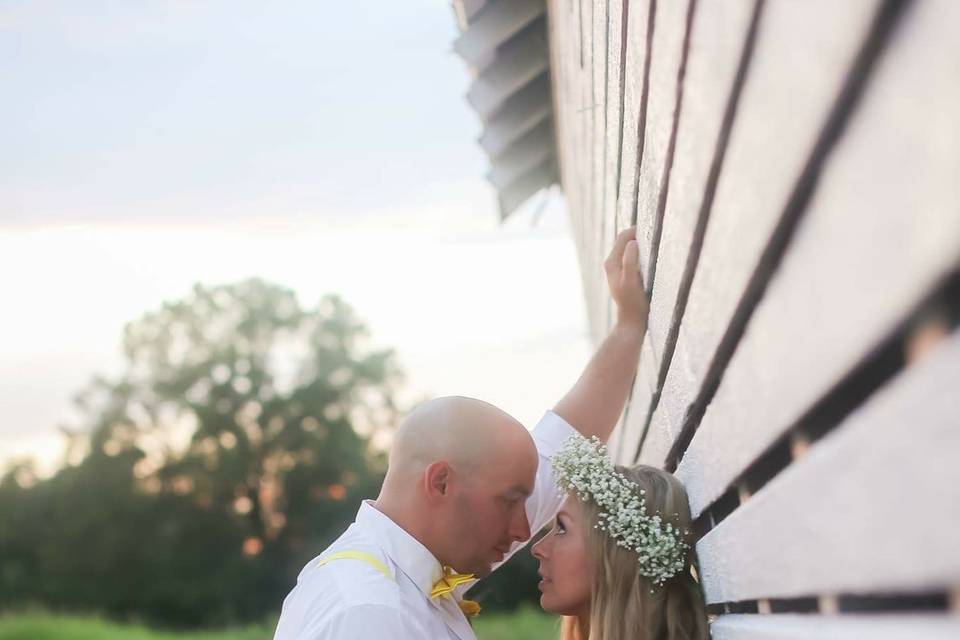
539,549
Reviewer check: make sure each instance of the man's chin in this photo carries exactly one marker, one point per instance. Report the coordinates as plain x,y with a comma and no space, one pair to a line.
479,569
482,570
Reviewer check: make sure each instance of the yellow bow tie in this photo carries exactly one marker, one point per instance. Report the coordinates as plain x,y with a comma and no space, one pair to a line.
443,587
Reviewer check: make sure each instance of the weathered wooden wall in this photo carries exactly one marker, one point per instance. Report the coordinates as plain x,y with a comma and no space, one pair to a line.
793,167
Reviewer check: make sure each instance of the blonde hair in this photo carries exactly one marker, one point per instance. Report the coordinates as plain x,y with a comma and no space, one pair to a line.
625,605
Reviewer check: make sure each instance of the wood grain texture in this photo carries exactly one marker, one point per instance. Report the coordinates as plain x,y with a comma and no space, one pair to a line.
635,63
795,47
870,508
613,98
567,81
847,627
598,117
719,36
643,389
881,232
645,180
717,40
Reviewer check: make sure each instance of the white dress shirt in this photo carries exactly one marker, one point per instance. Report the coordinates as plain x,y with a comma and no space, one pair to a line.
347,599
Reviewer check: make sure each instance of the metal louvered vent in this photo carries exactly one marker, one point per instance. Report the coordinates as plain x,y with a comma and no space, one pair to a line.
504,43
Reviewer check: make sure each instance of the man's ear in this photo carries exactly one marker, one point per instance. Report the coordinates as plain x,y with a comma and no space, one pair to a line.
437,478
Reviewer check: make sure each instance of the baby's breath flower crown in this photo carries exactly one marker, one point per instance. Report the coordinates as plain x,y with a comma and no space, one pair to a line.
582,466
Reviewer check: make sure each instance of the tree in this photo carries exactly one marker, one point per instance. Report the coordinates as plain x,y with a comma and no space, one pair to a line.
235,444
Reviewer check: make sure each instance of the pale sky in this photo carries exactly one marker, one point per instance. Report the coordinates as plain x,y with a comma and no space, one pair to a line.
326,147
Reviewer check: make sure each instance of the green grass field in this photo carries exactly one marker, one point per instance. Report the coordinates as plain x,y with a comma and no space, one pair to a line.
526,624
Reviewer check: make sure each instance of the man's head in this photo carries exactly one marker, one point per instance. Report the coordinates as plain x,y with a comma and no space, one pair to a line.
459,474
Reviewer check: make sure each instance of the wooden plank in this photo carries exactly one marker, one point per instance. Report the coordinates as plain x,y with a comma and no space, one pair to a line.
656,443
616,436
614,100
598,67
641,183
638,14
717,39
615,445
611,139
846,627
669,25
561,50
583,113
643,388
571,71
871,508
732,249
564,23
634,42
610,135
580,112
881,231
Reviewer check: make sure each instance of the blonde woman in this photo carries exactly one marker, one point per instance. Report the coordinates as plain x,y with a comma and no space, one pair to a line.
617,562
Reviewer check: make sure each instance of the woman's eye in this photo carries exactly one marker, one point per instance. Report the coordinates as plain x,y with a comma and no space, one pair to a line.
559,528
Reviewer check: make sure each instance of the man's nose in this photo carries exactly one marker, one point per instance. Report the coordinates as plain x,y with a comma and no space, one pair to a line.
520,531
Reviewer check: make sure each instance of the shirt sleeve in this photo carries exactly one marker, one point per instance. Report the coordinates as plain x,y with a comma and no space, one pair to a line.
365,621
549,435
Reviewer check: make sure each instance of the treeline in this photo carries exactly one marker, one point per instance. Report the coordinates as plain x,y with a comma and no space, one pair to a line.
235,445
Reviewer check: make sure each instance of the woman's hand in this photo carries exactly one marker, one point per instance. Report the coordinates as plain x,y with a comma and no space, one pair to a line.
622,267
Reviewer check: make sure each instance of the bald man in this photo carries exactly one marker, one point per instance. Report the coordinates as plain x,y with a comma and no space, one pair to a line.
465,486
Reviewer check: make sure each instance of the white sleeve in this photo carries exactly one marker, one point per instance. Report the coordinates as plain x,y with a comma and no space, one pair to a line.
364,621
542,505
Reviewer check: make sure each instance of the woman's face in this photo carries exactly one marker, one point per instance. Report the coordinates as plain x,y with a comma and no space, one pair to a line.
564,564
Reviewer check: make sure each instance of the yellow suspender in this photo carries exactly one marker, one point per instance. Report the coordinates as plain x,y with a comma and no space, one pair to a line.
362,556
447,584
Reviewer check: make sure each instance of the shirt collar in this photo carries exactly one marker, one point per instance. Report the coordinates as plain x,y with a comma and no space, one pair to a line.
408,553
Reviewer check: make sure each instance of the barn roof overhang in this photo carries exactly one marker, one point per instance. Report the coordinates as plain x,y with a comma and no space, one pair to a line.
505,46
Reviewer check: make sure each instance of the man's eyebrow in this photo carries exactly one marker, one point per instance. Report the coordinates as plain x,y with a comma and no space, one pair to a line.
519,488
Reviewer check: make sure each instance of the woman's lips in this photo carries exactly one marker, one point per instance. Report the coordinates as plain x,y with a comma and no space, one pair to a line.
543,583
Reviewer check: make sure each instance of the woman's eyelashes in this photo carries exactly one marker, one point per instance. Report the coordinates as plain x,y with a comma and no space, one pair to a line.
558,526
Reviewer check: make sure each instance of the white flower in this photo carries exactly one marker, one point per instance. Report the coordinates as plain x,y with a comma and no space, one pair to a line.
582,467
